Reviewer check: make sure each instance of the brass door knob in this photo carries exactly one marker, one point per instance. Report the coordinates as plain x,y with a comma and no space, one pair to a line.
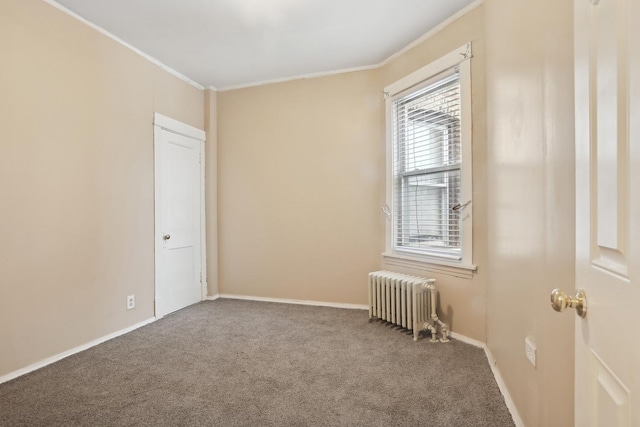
560,300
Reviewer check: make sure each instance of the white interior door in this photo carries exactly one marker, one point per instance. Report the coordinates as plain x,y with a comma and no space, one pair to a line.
179,214
607,340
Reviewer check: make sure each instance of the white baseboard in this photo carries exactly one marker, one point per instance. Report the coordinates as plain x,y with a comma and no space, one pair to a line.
64,354
467,340
212,297
297,301
503,388
496,374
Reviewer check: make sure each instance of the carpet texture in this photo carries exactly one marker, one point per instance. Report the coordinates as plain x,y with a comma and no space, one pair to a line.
244,363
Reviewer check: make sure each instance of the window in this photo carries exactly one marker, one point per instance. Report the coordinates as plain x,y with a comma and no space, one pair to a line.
429,163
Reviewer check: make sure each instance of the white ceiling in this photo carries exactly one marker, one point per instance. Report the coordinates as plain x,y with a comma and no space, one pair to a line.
232,43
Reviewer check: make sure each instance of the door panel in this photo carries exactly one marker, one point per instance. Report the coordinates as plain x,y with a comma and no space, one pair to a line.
607,195
178,232
611,395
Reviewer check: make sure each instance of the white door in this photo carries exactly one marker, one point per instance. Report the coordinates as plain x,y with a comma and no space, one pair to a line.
607,340
179,210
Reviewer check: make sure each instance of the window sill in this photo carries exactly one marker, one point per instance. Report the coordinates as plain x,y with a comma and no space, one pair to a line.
464,271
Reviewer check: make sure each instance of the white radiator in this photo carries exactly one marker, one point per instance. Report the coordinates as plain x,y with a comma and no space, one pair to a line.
406,301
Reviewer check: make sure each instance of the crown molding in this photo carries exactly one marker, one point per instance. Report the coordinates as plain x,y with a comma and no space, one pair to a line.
433,31
125,44
298,77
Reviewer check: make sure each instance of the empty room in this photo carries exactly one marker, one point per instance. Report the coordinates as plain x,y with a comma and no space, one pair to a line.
319,213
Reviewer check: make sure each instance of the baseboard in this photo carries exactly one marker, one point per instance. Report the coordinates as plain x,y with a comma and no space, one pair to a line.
60,356
467,340
496,374
212,297
503,388
297,301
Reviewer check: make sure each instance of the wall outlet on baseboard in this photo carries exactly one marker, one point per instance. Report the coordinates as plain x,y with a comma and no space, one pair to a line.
131,302
530,350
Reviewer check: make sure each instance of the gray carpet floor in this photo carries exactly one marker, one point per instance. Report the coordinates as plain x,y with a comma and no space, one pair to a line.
244,363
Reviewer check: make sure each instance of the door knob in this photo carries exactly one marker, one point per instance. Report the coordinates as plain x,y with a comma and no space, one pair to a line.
560,300
166,237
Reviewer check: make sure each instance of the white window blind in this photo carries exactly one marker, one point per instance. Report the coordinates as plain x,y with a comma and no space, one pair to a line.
427,166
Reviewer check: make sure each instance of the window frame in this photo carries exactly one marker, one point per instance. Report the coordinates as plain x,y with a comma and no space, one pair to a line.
460,60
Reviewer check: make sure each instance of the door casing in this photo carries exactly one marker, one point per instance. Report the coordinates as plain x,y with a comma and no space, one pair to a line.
160,123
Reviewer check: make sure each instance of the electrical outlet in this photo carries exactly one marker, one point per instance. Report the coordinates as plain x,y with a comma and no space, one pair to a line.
530,350
131,302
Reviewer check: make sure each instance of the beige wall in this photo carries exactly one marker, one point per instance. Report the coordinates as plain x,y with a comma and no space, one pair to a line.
462,301
274,135
211,188
302,182
300,173
76,181
531,208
